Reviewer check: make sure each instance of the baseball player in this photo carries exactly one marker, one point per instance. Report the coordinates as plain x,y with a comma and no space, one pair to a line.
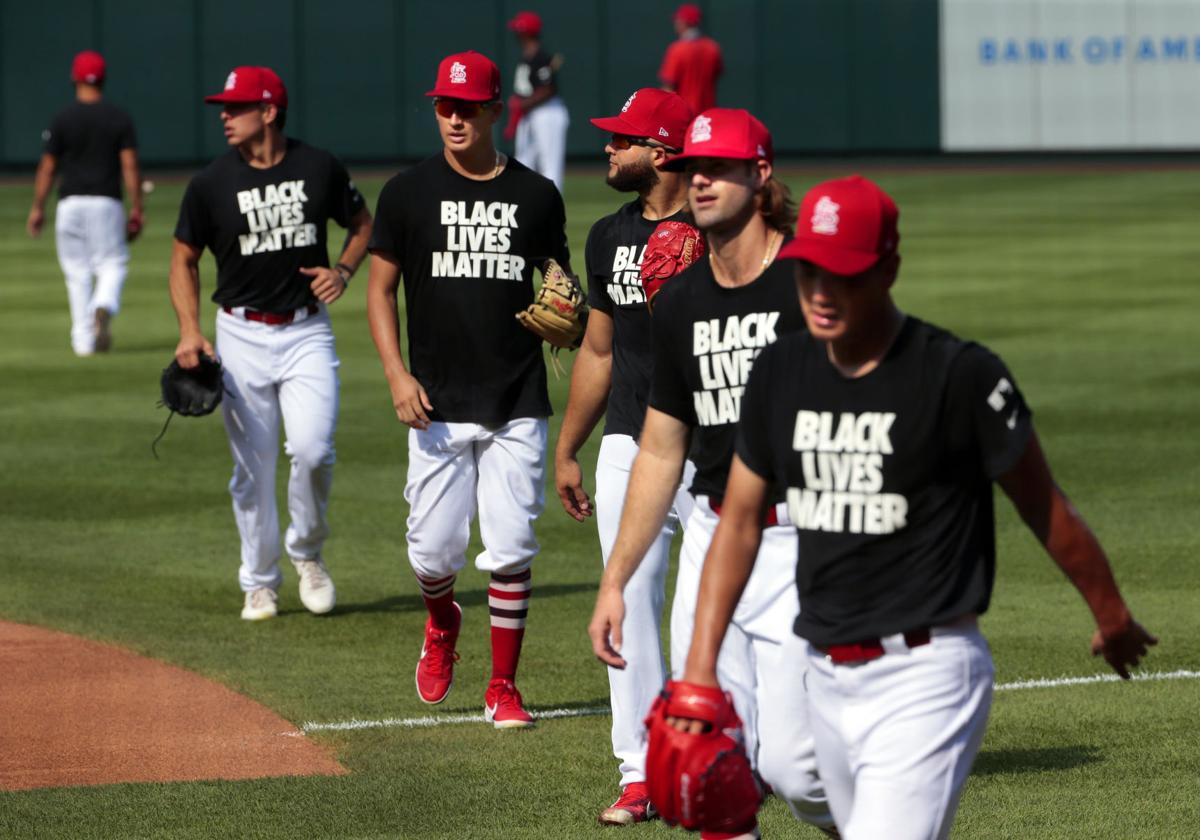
887,433
611,378
709,324
692,64
465,229
541,116
92,143
262,209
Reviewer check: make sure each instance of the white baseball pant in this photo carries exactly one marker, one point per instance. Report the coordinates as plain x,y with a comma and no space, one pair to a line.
541,142
455,469
896,736
89,233
632,689
753,666
287,371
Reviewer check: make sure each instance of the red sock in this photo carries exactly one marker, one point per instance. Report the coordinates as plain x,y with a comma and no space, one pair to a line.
508,602
439,600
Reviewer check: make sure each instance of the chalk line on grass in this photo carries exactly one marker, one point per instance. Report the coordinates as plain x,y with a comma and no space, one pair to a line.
428,721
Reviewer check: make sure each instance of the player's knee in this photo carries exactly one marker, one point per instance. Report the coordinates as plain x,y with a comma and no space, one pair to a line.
312,454
798,786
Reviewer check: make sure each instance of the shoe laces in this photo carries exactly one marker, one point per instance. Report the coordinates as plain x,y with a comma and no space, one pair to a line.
440,654
632,796
260,598
506,697
314,573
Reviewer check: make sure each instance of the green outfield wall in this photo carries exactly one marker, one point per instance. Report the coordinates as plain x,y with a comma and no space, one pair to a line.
827,76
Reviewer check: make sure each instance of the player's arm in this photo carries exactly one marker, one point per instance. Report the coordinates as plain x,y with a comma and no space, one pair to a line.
43,180
655,477
184,281
591,381
329,284
1067,538
408,397
131,174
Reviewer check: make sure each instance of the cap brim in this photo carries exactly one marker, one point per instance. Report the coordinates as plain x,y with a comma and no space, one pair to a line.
677,163
839,261
222,98
616,125
458,94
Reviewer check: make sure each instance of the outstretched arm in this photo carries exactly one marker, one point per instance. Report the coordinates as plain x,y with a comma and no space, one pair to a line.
591,380
653,481
1067,538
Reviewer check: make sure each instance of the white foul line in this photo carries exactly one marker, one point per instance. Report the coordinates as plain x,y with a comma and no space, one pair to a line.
593,711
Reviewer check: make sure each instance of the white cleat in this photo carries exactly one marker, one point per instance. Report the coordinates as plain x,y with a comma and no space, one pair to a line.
316,587
260,604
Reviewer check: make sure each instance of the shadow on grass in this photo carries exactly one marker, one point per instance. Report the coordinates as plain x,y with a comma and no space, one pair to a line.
465,598
997,762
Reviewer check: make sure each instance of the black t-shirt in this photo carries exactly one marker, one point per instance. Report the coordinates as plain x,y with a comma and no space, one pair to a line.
534,73
614,251
888,476
467,250
86,138
264,225
706,337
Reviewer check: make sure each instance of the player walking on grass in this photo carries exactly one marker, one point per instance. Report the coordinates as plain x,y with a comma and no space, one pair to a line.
465,229
262,209
887,433
709,324
92,143
611,378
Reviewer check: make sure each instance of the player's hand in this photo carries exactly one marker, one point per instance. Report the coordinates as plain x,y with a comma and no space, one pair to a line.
326,283
568,478
706,677
134,225
190,346
33,225
410,400
605,627
1123,647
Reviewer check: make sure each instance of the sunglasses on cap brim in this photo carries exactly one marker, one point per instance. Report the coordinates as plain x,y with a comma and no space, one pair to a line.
448,107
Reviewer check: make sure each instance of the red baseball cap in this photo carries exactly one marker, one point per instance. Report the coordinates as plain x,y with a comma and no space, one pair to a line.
88,67
251,84
725,133
526,23
470,76
688,14
651,113
845,226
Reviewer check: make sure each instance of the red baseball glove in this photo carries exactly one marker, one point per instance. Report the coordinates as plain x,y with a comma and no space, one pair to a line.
671,248
699,781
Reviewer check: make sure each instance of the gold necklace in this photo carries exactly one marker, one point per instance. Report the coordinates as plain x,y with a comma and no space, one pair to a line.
766,260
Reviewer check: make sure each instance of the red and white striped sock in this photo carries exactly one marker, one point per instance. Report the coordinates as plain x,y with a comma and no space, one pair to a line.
508,603
438,594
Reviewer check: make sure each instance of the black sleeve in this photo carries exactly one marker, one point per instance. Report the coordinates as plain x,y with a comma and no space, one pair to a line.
668,387
387,231
195,223
597,291
344,198
987,411
54,137
128,136
753,442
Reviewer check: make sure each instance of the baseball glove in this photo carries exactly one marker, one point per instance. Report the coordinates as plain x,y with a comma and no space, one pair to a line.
192,392
701,781
558,313
671,248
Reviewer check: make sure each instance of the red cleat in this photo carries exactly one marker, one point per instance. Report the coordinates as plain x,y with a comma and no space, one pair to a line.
435,668
632,806
502,706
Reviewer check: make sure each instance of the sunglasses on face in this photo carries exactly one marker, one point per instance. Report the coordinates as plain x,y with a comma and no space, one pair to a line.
447,107
621,142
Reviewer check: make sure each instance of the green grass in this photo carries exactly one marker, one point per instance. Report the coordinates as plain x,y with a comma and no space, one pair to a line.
1084,281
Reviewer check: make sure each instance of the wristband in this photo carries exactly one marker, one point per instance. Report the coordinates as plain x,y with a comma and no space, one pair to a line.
345,272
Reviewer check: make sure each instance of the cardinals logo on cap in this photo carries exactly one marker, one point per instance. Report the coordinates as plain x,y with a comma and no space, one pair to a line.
702,129
458,73
231,81
662,132
628,102
825,216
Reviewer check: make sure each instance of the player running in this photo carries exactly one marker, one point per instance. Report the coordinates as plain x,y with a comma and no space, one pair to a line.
611,378
887,433
465,229
262,209
709,324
